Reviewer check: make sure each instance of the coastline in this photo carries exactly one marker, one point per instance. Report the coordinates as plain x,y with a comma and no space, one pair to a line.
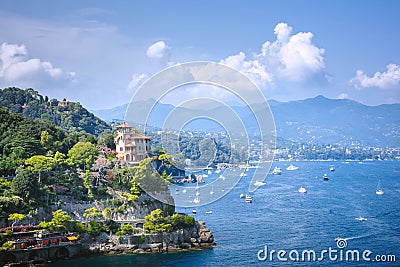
198,237
195,238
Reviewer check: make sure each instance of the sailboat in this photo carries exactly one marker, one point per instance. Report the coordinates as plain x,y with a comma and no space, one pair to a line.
212,190
379,191
197,198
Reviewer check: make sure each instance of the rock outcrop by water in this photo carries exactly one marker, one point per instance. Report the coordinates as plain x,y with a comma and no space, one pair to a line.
137,210
195,237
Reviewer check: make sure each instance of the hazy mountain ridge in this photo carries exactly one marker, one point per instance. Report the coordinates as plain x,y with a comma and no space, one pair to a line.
315,120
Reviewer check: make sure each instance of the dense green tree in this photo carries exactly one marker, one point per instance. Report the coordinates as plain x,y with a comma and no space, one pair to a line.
92,213
25,184
16,217
60,221
107,140
59,159
40,164
155,222
179,221
5,185
126,229
82,155
147,178
94,228
46,139
106,214
11,204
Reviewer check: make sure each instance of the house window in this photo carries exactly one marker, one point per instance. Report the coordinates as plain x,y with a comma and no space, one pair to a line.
121,149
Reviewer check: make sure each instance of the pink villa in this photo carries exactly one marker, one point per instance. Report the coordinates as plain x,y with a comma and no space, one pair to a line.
130,145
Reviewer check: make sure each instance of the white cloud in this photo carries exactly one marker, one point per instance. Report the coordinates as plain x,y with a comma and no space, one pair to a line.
388,79
291,57
136,81
18,69
157,50
252,68
343,96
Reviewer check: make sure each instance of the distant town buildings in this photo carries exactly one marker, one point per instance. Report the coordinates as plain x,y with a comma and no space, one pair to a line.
131,146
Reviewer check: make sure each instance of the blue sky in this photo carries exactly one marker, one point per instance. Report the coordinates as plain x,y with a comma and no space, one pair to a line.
99,52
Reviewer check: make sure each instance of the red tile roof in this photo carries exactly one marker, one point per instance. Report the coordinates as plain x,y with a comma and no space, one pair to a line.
123,125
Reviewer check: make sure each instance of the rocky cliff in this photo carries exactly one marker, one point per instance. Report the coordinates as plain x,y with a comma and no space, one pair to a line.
196,237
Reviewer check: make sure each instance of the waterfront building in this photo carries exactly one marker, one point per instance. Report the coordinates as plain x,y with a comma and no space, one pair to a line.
131,146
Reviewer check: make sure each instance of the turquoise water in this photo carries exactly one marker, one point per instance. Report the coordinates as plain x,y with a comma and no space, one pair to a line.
284,219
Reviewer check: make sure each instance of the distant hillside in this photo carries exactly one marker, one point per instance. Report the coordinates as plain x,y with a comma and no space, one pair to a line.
323,120
314,120
68,115
116,113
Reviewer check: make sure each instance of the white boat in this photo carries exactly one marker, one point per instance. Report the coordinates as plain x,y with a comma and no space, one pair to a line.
379,191
209,212
292,168
212,190
249,199
302,190
277,171
258,183
222,177
361,219
184,191
217,171
196,200
243,174
194,211
241,195
332,168
325,177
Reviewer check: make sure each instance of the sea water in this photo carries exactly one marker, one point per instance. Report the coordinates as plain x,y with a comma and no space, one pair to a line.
283,226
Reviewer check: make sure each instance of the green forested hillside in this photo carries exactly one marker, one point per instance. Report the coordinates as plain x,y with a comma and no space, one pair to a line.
40,164
71,116
21,138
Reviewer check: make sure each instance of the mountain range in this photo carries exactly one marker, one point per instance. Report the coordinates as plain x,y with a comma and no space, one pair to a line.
313,120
